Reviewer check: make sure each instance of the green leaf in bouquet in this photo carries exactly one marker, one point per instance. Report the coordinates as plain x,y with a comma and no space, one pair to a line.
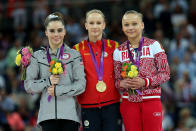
124,64
131,92
23,77
128,69
55,59
30,50
53,65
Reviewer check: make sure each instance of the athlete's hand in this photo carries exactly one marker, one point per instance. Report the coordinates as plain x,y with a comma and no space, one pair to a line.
54,79
125,83
51,90
136,83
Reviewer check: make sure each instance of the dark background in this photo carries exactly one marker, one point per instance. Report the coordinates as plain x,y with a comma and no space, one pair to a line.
171,22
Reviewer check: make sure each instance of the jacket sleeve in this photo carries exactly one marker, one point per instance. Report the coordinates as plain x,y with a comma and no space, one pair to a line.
117,69
162,66
79,82
32,83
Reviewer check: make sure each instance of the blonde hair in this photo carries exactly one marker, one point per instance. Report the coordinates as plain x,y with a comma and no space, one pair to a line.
95,11
134,12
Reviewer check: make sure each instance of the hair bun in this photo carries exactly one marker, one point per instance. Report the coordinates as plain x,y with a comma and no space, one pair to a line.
51,16
57,14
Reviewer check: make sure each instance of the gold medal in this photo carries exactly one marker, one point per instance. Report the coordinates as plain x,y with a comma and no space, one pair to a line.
100,86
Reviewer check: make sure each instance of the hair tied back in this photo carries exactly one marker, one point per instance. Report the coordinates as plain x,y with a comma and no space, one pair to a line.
52,16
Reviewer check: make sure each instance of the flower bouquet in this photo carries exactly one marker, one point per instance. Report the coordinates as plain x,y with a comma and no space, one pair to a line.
56,68
23,59
130,71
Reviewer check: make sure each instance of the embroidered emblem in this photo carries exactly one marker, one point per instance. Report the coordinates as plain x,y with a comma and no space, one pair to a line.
105,54
86,53
86,123
157,114
66,56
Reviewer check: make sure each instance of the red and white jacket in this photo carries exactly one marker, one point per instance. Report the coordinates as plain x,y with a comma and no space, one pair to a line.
154,69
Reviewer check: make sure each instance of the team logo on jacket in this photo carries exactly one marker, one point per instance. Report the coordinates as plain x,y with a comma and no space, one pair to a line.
105,54
157,114
66,56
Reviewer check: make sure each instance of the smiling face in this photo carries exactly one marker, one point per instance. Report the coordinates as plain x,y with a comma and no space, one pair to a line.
55,32
132,26
95,25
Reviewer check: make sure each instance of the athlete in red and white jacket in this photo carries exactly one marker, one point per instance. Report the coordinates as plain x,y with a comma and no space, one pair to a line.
153,69
143,111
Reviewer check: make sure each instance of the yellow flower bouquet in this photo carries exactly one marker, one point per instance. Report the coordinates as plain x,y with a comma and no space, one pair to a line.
129,71
56,68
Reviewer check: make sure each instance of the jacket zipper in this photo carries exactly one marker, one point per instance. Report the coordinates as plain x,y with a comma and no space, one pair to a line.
55,102
55,107
55,87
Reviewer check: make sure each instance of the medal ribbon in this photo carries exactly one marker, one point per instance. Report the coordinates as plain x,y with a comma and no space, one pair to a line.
137,63
60,54
98,70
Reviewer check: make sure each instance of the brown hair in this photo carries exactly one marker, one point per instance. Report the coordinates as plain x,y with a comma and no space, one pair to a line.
134,12
56,16
95,11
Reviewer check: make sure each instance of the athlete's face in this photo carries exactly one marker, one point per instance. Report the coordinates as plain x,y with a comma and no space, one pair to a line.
95,24
55,32
132,26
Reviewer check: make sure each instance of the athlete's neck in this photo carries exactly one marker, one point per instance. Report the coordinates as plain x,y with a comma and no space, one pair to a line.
94,39
134,42
55,47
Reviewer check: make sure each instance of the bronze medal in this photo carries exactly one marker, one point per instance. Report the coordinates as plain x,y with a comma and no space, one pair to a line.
100,86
